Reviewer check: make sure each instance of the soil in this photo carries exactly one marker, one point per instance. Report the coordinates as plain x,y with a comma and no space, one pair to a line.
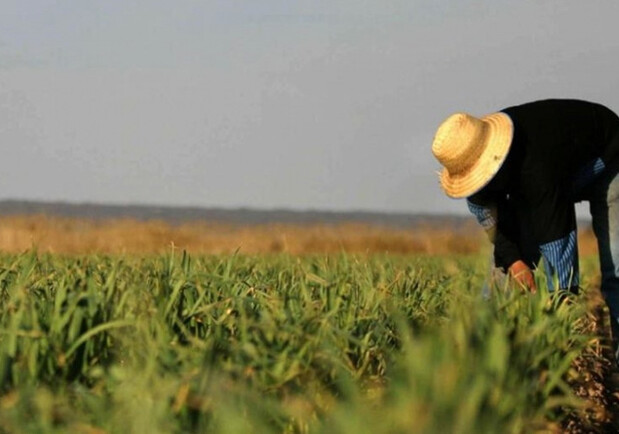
596,377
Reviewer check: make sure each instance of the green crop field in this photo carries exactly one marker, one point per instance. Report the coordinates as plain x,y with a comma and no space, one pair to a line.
237,344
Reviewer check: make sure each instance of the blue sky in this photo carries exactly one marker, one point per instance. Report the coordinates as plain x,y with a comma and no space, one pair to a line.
294,104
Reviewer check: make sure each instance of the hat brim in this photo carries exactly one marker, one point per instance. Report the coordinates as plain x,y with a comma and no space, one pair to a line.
498,142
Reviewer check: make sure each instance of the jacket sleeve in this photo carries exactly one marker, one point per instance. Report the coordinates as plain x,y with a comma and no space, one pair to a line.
554,228
491,217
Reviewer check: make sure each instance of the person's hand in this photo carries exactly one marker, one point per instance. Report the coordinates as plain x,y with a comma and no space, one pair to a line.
521,273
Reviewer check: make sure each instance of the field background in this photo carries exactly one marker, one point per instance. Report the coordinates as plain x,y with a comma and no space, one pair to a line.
146,325
74,235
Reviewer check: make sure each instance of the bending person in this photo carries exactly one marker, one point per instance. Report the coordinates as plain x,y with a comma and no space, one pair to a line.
522,169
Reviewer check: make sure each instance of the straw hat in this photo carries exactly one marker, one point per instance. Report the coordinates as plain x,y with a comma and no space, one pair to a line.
471,151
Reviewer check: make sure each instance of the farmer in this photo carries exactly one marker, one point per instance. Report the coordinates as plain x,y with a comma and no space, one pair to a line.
522,169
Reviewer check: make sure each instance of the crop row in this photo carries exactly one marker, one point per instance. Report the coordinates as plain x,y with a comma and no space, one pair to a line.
175,343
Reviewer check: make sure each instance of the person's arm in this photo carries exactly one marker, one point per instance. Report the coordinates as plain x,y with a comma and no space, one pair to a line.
507,255
506,250
555,230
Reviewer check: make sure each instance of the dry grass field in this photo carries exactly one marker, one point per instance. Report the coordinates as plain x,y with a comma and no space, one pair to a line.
81,236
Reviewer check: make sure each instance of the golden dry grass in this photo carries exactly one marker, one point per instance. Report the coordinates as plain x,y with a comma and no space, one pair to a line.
76,236
66,235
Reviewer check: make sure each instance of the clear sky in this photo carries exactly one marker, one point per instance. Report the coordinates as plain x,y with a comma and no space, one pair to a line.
323,104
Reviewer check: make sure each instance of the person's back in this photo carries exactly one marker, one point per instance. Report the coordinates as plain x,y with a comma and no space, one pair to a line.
567,132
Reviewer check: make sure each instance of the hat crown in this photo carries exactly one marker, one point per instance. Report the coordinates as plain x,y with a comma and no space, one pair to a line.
471,150
459,141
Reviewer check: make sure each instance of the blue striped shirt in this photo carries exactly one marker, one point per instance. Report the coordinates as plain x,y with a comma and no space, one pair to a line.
561,261
484,215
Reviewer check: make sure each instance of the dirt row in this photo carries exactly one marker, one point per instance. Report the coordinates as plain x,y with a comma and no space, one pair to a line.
595,377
